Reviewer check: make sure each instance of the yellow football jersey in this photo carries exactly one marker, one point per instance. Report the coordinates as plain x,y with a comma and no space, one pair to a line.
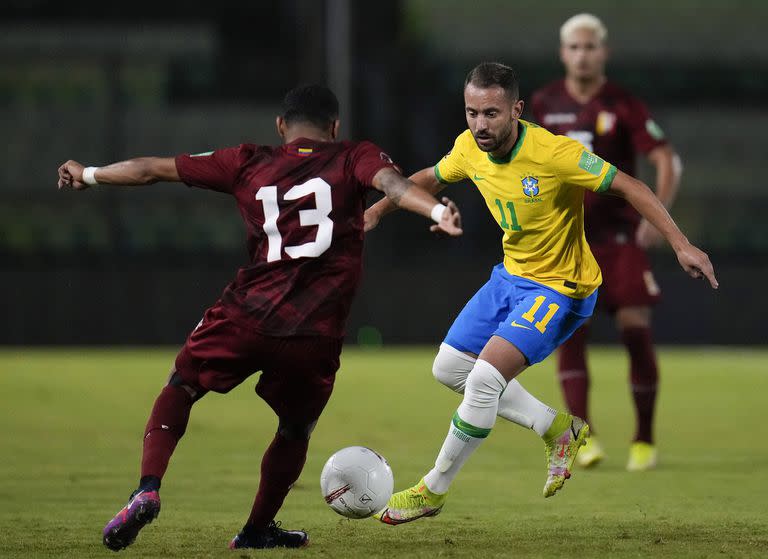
536,196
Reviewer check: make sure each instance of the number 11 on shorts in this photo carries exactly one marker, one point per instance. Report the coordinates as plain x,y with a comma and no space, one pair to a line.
530,316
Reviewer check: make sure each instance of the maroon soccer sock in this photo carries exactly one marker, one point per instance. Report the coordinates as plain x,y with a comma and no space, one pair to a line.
644,377
280,468
166,425
573,372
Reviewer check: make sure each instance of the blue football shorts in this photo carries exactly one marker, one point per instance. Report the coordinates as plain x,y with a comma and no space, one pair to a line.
531,316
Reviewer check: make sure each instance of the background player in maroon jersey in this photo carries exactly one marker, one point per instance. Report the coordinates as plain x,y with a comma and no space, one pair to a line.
285,311
615,125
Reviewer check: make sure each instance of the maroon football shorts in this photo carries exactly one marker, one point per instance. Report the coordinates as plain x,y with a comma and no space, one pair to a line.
297,372
627,277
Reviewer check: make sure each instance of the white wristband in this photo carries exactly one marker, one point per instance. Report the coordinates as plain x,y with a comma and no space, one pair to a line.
89,175
437,212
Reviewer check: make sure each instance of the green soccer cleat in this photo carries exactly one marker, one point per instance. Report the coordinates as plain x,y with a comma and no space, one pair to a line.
591,454
411,504
642,457
561,452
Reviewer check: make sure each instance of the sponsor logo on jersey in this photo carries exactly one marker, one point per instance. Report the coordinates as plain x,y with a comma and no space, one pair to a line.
605,123
559,118
584,137
304,152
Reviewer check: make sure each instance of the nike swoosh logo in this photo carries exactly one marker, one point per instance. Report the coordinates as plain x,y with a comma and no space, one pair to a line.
516,325
478,178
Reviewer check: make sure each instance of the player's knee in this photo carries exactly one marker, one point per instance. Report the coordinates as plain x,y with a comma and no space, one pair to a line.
451,367
633,317
295,431
484,385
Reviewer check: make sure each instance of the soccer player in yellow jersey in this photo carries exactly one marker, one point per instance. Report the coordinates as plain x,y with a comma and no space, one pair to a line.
533,183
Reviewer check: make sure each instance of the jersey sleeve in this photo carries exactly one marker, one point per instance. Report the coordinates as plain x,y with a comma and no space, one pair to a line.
452,168
576,166
212,170
645,133
369,159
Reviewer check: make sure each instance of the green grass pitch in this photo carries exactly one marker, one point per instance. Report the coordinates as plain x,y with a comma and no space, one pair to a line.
72,423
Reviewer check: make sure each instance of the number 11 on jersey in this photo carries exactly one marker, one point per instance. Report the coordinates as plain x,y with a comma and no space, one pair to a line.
512,215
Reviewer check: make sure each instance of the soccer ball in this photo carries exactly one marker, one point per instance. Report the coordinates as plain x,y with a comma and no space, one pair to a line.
356,482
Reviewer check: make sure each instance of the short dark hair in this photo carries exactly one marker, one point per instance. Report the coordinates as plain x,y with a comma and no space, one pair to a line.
312,104
489,74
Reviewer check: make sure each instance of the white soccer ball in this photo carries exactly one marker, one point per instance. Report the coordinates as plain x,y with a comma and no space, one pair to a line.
357,482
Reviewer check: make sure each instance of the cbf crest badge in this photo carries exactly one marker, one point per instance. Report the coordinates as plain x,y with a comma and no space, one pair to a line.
531,189
530,186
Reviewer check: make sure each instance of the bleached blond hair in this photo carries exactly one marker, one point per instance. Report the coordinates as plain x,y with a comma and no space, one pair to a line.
584,21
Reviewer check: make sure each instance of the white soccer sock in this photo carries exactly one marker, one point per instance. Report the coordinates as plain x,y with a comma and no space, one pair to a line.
519,406
471,423
451,368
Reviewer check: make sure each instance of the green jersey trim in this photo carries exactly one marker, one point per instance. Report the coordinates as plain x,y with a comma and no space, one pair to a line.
607,179
515,149
438,176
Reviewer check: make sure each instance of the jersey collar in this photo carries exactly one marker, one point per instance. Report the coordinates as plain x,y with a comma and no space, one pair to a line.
521,128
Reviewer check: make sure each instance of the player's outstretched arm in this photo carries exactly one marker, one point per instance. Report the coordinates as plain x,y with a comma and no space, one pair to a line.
406,194
424,179
133,172
642,198
669,169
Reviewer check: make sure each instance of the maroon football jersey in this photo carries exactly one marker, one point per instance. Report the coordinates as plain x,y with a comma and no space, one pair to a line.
616,126
303,206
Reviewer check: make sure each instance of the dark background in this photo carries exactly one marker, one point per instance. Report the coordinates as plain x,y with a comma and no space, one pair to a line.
99,83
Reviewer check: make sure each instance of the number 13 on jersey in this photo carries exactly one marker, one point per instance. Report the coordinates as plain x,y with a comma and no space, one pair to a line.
315,216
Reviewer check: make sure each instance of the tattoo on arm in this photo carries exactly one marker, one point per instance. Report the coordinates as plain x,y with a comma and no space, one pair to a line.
395,186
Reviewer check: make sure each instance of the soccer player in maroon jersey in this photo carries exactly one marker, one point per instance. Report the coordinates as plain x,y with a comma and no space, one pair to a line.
284,313
616,126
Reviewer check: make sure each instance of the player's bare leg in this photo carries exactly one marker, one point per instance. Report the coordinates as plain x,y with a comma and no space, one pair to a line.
573,372
280,468
635,326
166,425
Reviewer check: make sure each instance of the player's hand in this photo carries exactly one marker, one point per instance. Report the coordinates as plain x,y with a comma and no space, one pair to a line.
71,176
371,219
647,235
697,264
450,223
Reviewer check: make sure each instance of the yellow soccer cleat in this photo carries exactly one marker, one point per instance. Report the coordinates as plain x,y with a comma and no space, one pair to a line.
642,457
591,454
561,452
411,504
